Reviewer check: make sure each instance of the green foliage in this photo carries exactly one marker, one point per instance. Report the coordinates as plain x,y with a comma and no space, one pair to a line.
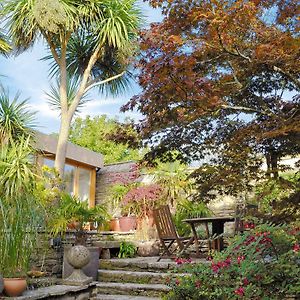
115,197
4,46
21,215
278,198
263,263
187,209
70,209
93,134
173,177
72,87
16,120
127,250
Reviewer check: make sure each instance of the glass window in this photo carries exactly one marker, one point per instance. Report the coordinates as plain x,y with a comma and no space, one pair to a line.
49,162
69,178
84,183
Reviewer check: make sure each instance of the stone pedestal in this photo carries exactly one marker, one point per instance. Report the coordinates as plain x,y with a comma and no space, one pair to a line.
78,257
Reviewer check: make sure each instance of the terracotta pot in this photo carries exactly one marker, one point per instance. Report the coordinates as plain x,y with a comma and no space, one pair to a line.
127,223
14,287
114,225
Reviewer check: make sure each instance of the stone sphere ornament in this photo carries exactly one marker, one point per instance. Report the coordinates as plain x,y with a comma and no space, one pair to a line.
78,257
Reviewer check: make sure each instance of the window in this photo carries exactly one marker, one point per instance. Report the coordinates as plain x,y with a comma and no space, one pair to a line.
69,178
84,183
79,180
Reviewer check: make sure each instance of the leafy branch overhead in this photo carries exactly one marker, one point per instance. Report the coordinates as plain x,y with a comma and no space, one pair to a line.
221,82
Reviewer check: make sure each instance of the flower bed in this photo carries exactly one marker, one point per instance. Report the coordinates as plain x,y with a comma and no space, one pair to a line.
263,263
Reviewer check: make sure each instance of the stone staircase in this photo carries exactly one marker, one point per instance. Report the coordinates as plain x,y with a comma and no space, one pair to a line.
137,279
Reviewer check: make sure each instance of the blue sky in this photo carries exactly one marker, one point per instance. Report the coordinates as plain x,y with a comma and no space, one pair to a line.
27,74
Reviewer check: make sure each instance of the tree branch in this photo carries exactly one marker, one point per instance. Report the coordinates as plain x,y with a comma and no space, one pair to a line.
288,75
94,83
52,48
84,80
245,109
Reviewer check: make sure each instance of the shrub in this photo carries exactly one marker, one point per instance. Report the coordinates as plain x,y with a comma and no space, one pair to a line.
127,250
263,263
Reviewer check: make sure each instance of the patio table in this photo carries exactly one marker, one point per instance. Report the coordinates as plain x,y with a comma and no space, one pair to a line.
217,229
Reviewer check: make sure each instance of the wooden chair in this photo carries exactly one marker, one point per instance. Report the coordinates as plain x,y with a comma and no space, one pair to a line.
167,233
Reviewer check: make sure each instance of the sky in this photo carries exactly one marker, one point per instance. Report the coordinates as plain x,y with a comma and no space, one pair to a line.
28,75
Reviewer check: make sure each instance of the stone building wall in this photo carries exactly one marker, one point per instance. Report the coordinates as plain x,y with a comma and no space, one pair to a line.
111,174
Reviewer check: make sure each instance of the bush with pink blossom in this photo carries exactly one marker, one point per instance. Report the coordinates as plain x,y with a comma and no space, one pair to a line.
263,263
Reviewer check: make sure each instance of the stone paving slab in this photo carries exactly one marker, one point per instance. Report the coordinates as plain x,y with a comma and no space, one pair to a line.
142,263
50,291
135,276
125,297
132,289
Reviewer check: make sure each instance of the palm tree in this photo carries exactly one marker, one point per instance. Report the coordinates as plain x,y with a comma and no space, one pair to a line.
90,40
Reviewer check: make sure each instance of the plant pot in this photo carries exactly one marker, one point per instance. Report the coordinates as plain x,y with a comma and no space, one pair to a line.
14,287
114,225
127,223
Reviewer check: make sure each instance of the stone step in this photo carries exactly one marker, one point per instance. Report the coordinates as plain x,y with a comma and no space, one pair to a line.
147,264
125,297
135,276
132,289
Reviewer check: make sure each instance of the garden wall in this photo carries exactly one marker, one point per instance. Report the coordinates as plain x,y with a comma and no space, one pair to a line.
48,254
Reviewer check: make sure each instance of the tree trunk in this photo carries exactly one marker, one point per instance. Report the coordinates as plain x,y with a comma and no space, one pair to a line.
62,143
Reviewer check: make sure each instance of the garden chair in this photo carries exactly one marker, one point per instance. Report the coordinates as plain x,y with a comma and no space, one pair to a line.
167,233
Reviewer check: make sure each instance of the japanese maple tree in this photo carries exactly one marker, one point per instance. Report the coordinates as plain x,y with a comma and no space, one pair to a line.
221,82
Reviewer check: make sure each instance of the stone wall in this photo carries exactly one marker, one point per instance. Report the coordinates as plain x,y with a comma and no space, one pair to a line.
111,174
48,254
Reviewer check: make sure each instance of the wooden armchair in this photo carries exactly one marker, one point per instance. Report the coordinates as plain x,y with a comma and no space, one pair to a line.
167,233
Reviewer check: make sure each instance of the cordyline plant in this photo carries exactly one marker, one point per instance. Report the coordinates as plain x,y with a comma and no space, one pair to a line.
90,41
263,263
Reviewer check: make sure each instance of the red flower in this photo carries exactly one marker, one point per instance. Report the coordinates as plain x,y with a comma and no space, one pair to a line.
240,258
197,284
240,291
245,281
296,248
177,281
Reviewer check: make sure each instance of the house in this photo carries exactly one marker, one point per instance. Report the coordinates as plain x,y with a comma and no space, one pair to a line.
80,168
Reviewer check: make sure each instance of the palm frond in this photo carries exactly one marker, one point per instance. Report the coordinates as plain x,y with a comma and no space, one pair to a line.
72,87
15,118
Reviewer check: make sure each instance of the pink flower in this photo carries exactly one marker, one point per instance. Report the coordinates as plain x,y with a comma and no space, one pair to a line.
197,284
240,291
215,267
296,248
240,258
245,281
177,281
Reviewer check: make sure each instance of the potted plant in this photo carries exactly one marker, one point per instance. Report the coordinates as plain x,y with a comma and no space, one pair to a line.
71,212
114,200
140,202
117,192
